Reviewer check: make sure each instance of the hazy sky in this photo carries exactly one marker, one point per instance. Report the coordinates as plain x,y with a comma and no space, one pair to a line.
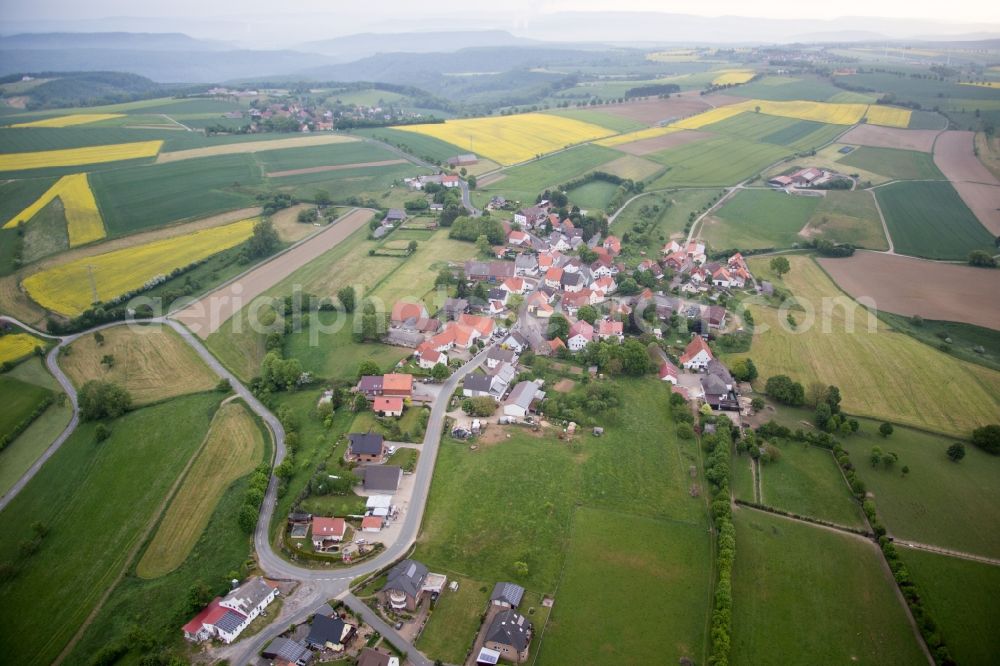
954,10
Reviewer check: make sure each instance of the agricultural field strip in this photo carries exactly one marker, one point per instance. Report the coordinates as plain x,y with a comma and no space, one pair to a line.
71,120
334,167
14,346
83,219
205,316
71,288
79,156
253,147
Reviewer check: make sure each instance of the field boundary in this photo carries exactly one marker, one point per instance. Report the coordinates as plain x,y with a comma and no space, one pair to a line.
337,167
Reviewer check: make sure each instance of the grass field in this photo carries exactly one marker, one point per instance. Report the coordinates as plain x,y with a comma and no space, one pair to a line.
232,448
881,374
19,399
961,596
83,220
337,154
593,196
632,167
421,145
452,627
930,220
667,213
722,161
788,88
894,164
525,182
72,287
512,139
847,217
939,502
637,468
15,346
800,591
79,156
653,604
414,277
806,481
965,338
609,121
96,501
20,454
798,134
151,196
755,219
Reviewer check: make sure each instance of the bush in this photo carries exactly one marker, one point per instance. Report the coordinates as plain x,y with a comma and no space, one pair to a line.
785,391
987,438
99,400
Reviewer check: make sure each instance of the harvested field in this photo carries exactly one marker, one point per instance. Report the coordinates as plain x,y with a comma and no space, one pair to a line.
909,286
253,147
152,362
891,137
653,111
337,167
491,179
208,314
953,155
233,447
978,187
671,140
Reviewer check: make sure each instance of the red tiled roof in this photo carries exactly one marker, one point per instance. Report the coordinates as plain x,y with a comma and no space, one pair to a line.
371,521
397,382
482,324
696,345
383,404
404,310
324,527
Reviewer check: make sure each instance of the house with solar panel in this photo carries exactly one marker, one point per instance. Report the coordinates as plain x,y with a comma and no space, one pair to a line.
226,617
407,583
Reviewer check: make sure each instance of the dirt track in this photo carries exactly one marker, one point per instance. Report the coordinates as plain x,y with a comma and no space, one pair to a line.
338,167
978,187
205,316
891,137
909,286
253,147
672,140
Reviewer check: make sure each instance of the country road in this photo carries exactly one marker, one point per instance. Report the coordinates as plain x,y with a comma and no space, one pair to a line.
325,584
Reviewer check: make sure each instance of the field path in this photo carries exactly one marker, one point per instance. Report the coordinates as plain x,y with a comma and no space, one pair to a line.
207,314
885,227
950,553
253,147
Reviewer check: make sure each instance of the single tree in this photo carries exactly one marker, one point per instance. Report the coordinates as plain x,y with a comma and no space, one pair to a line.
346,296
956,451
101,433
368,367
876,456
780,265
905,470
440,372
885,429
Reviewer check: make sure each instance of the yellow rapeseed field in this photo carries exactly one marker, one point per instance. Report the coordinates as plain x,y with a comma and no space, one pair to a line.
821,112
70,288
888,116
732,77
637,135
69,121
711,116
79,156
512,139
17,345
83,220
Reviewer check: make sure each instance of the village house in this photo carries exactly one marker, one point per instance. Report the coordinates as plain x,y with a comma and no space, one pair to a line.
526,265
330,633
580,334
327,533
372,657
397,384
530,218
668,372
381,478
287,651
404,585
489,271
372,523
696,355
608,329
509,633
428,357
365,447
454,308
226,617
370,386
715,315
388,406
520,400
450,181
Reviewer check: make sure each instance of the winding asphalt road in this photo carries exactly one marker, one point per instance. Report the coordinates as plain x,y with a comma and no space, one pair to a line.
318,586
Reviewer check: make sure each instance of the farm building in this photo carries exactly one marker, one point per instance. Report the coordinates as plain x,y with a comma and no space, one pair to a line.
226,617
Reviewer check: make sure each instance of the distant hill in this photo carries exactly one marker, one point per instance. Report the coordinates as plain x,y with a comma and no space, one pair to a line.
165,66
63,89
355,47
143,41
